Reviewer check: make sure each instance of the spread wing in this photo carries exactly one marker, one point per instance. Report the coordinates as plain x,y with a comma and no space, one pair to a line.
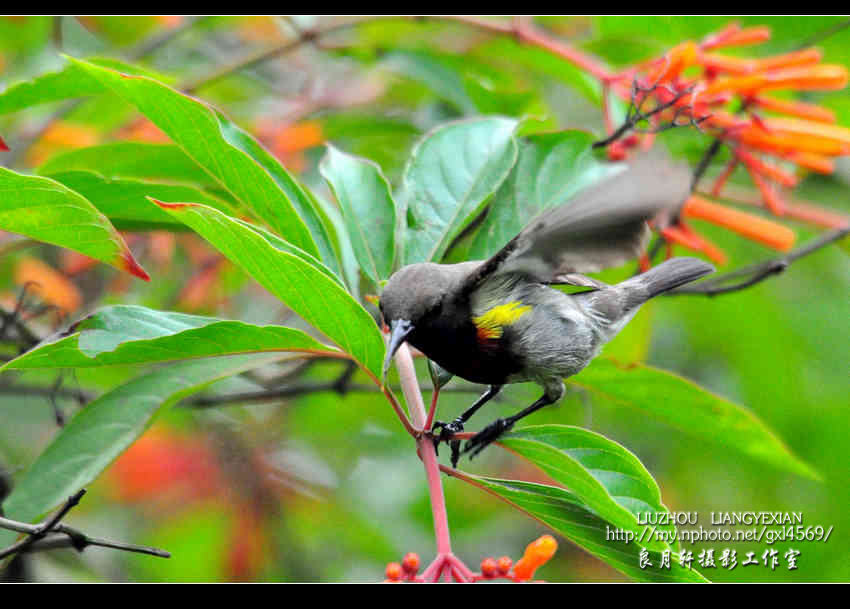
603,226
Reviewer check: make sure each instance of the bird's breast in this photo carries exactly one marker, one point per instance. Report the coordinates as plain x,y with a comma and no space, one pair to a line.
475,348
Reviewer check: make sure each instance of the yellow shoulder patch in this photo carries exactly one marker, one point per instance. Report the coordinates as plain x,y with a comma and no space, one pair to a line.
490,325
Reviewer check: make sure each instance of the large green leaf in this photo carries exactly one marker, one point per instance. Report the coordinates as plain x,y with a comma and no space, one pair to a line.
304,287
606,477
128,334
300,197
68,83
368,209
130,160
199,131
451,174
106,427
687,406
550,169
124,201
45,210
565,513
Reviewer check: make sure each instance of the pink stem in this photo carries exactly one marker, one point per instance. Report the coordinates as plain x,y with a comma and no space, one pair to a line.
413,397
433,410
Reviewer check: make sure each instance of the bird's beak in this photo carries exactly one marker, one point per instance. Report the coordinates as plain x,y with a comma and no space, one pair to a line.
399,330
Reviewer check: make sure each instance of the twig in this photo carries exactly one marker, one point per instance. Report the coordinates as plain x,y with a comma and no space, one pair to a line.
758,272
637,115
155,42
38,540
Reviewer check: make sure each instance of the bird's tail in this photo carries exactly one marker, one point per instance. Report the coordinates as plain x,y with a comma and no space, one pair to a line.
613,307
662,278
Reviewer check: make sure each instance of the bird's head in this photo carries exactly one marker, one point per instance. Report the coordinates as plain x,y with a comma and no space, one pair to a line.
412,296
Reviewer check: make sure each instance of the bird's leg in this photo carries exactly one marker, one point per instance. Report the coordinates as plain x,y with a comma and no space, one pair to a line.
491,433
448,430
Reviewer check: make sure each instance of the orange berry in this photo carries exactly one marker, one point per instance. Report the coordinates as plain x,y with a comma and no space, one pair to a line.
410,563
393,571
489,567
504,564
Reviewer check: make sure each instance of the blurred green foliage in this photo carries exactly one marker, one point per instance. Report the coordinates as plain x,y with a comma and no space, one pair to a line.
340,491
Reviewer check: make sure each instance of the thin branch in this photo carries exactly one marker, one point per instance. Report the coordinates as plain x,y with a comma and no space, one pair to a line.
157,41
637,115
253,59
53,534
756,273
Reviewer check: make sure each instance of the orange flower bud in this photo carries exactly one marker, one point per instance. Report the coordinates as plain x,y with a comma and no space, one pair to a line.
725,63
394,572
814,162
794,108
676,60
537,554
795,58
489,568
752,227
771,199
410,563
776,174
825,76
504,564
799,126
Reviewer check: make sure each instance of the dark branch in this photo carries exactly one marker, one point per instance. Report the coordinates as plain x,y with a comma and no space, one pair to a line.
636,114
756,273
52,534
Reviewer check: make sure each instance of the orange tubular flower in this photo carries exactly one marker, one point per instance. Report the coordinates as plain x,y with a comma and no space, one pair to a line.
771,171
536,555
673,63
753,227
826,76
794,108
725,96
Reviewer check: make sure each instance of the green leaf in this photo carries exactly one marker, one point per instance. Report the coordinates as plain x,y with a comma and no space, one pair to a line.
606,477
298,194
437,72
687,406
127,334
310,291
368,209
106,427
550,169
45,210
199,131
124,201
67,83
566,514
450,176
130,160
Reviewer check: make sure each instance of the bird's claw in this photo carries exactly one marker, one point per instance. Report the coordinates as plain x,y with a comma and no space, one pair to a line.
447,432
486,436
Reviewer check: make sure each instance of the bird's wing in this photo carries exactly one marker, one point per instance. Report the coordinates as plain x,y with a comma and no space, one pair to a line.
603,226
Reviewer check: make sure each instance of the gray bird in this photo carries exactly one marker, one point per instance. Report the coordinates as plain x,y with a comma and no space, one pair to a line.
497,321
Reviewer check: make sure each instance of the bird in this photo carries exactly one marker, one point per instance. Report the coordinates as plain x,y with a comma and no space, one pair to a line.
498,321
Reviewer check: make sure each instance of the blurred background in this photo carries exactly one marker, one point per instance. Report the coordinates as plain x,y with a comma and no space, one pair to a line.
327,486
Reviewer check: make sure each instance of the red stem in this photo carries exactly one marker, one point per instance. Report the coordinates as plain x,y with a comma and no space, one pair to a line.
413,397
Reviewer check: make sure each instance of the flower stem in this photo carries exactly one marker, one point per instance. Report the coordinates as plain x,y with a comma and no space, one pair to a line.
427,452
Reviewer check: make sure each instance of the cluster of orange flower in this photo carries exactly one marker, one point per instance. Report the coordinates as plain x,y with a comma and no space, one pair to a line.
537,554
727,96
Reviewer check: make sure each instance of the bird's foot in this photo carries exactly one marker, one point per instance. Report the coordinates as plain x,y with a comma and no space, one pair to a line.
447,432
486,436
